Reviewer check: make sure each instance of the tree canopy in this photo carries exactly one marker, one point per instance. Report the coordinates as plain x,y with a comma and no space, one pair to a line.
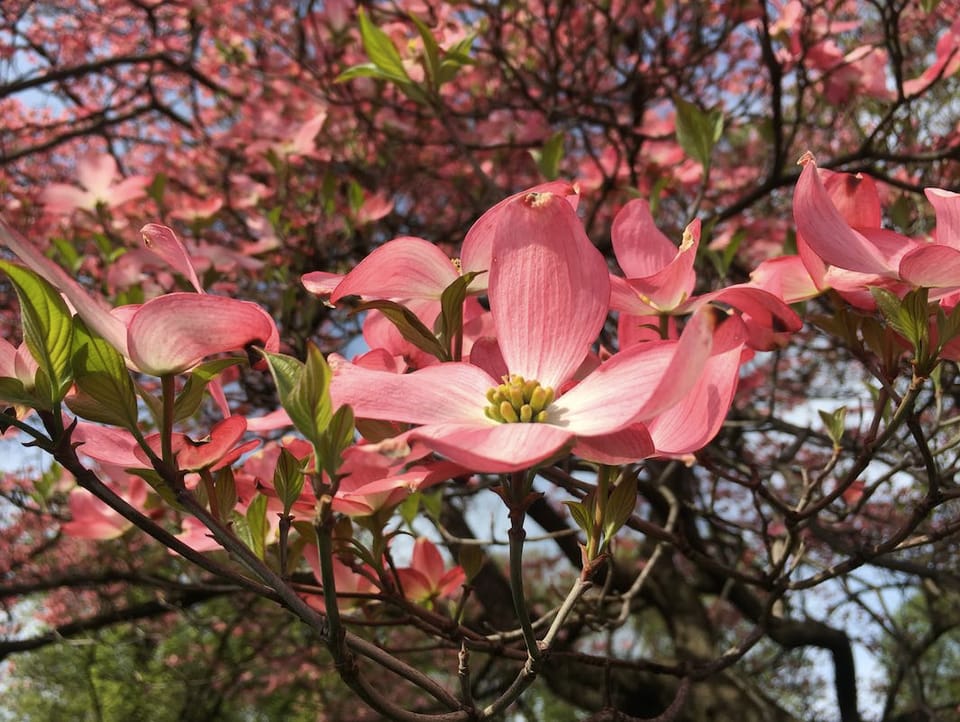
442,361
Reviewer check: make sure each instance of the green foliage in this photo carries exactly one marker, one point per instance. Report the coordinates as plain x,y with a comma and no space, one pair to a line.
304,391
288,479
47,331
697,130
105,391
549,157
409,325
183,672
924,653
835,423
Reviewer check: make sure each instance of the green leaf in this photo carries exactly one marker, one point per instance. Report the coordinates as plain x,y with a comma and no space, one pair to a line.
363,70
835,424
450,320
697,131
69,257
908,317
381,50
582,513
410,327
158,484
432,502
224,494
191,395
304,391
948,325
157,188
47,331
431,51
549,157
409,508
619,506
105,391
252,527
335,439
12,391
355,195
471,559
288,479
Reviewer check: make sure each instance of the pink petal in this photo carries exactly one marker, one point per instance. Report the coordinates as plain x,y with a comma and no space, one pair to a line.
947,207
8,359
638,383
855,197
96,173
932,266
92,519
626,298
164,242
127,190
619,447
786,278
695,420
169,334
416,586
673,283
641,249
107,444
769,319
947,62
549,288
405,267
223,437
450,583
444,393
427,560
633,330
827,233
272,421
321,283
63,198
495,449
475,253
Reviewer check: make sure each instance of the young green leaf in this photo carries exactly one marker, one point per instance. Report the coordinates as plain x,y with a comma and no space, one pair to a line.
834,423
431,51
410,327
304,391
105,391
619,507
381,50
697,131
288,479
47,331
224,494
335,439
450,320
549,157
252,528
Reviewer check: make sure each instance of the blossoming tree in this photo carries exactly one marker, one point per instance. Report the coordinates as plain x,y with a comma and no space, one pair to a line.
647,417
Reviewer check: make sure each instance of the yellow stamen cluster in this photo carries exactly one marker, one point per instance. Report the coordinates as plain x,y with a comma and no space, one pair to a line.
518,401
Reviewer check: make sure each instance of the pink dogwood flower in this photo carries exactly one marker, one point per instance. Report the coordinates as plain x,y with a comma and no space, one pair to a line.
549,292
427,579
166,335
838,223
99,183
90,518
661,278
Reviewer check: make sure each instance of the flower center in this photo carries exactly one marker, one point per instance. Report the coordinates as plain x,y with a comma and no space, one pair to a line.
518,401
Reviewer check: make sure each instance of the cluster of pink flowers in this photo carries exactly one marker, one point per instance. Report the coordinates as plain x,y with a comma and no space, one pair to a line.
533,382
